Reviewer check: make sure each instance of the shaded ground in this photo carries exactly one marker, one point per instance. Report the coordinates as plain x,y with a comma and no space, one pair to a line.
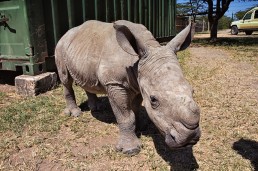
7,81
7,88
35,135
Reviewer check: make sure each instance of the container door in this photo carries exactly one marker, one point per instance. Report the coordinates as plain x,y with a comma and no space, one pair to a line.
14,41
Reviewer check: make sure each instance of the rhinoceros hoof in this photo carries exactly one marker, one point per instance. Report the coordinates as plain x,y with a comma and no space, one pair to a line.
132,152
73,112
129,149
76,112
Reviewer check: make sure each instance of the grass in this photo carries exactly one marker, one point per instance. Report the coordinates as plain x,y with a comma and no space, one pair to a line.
226,91
35,134
243,48
33,114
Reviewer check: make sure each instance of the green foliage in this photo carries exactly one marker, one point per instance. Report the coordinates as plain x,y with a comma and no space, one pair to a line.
240,14
192,7
224,23
182,8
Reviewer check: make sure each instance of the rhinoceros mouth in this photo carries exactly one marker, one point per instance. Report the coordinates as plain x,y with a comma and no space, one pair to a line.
177,135
174,141
190,127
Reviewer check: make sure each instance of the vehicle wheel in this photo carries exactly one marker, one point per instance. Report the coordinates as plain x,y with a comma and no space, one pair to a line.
248,32
234,30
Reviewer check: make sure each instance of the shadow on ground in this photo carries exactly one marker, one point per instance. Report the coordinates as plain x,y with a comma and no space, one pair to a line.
247,149
7,77
106,115
179,160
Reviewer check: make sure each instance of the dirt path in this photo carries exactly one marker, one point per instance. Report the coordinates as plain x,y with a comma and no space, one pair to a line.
227,91
226,33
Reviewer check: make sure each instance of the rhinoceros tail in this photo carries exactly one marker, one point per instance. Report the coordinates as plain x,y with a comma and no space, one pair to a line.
60,64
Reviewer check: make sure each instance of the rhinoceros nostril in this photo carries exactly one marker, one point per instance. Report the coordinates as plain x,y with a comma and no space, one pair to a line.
173,137
170,138
154,102
194,108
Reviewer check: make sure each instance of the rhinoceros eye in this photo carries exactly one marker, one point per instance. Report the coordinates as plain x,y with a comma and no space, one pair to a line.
154,102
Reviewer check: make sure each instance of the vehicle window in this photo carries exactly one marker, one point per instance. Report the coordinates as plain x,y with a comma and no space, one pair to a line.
248,16
256,14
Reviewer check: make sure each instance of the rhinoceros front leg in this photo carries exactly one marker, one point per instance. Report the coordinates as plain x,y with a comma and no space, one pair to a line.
71,106
120,101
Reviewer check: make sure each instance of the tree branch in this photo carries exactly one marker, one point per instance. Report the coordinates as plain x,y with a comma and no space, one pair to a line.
218,9
210,9
225,5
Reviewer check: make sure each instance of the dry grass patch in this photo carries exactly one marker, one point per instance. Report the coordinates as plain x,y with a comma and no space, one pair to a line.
225,80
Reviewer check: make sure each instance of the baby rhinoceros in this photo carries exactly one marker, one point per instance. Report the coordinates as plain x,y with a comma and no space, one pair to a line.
123,60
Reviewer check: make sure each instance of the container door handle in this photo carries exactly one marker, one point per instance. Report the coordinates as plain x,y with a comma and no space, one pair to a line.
3,20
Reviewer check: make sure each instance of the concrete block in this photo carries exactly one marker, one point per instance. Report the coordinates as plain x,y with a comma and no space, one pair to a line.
33,85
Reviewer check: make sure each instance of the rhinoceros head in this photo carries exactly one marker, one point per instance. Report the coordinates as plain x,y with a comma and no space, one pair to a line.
167,96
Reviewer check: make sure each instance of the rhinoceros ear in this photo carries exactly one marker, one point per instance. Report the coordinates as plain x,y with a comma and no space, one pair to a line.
182,39
128,42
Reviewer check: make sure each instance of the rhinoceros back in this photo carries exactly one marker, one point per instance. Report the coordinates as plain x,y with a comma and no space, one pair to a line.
80,50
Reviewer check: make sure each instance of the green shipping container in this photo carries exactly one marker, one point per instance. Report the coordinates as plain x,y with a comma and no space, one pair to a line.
30,29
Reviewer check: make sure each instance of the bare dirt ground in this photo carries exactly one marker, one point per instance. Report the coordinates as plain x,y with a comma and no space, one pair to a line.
226,88
226,33
227,91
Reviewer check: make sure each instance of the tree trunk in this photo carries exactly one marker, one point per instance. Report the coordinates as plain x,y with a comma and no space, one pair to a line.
214,30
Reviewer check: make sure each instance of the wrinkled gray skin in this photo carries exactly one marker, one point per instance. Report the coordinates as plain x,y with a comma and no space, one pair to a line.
124,60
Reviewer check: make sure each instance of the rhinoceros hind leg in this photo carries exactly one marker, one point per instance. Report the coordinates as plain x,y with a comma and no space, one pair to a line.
94,103
71,106
120,101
